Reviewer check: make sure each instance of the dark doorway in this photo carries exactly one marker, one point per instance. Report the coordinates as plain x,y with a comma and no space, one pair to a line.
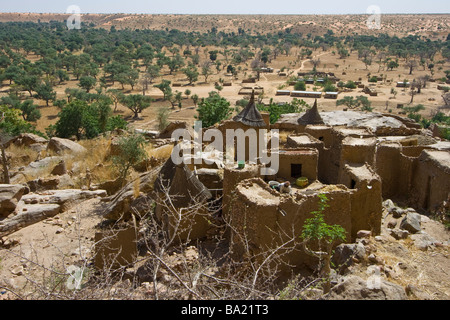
353,184
296,170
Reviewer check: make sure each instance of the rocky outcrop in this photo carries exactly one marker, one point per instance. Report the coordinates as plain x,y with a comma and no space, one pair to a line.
130,200
26,139
9,198
60,146
355,288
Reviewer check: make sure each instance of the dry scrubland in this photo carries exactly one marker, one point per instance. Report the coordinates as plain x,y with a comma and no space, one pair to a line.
435,27
69,238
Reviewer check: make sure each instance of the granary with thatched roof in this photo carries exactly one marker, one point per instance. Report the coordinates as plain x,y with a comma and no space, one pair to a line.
182,204
249,120
250,115
311,117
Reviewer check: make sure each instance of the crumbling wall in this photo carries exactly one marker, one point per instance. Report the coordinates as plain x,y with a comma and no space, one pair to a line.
321,133
232,176
430,185
388,167
183,223
358,150
263,219
366,197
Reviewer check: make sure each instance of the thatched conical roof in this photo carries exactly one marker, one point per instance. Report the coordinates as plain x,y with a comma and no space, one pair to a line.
251,116
181,184
311,116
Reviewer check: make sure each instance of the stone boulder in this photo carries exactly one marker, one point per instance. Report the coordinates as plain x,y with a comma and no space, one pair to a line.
411,222
60,169
10,195
63,198
122,204
344,255
423,241
60,146
26,139
356,288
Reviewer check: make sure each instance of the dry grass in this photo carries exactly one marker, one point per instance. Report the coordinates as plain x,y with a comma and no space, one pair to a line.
95,160
161,153
21,155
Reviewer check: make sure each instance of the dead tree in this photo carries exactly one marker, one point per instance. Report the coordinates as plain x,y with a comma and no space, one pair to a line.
3,139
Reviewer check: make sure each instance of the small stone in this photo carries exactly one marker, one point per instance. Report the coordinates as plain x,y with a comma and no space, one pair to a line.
402,265
372,258
392,224
399,233
17,270
397,212
363,234
59,230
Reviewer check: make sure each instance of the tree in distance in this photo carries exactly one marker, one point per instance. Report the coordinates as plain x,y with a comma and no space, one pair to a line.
45,92
213,109
191,73
87,83
136,103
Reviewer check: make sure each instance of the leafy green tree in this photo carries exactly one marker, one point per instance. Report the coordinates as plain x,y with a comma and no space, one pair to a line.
392,65
319,237
276,110
62,75
30,111
131,151
78,119
13,73
45,92
352,103
164,86
116,122
300,86
175,63
28,83
191,73
87,83
136,103
213,109
13,123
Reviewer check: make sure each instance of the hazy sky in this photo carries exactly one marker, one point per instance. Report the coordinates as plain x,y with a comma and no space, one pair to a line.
227,6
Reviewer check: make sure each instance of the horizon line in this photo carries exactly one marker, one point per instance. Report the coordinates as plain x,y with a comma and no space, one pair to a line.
233,14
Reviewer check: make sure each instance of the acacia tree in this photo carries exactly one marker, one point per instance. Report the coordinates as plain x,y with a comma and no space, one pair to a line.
136,103
206,69
411,64
164,86
45,92
191,73
87,83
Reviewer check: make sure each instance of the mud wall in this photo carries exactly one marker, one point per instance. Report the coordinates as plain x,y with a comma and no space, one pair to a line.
232,176
307,158
366,198
262,220
430,184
